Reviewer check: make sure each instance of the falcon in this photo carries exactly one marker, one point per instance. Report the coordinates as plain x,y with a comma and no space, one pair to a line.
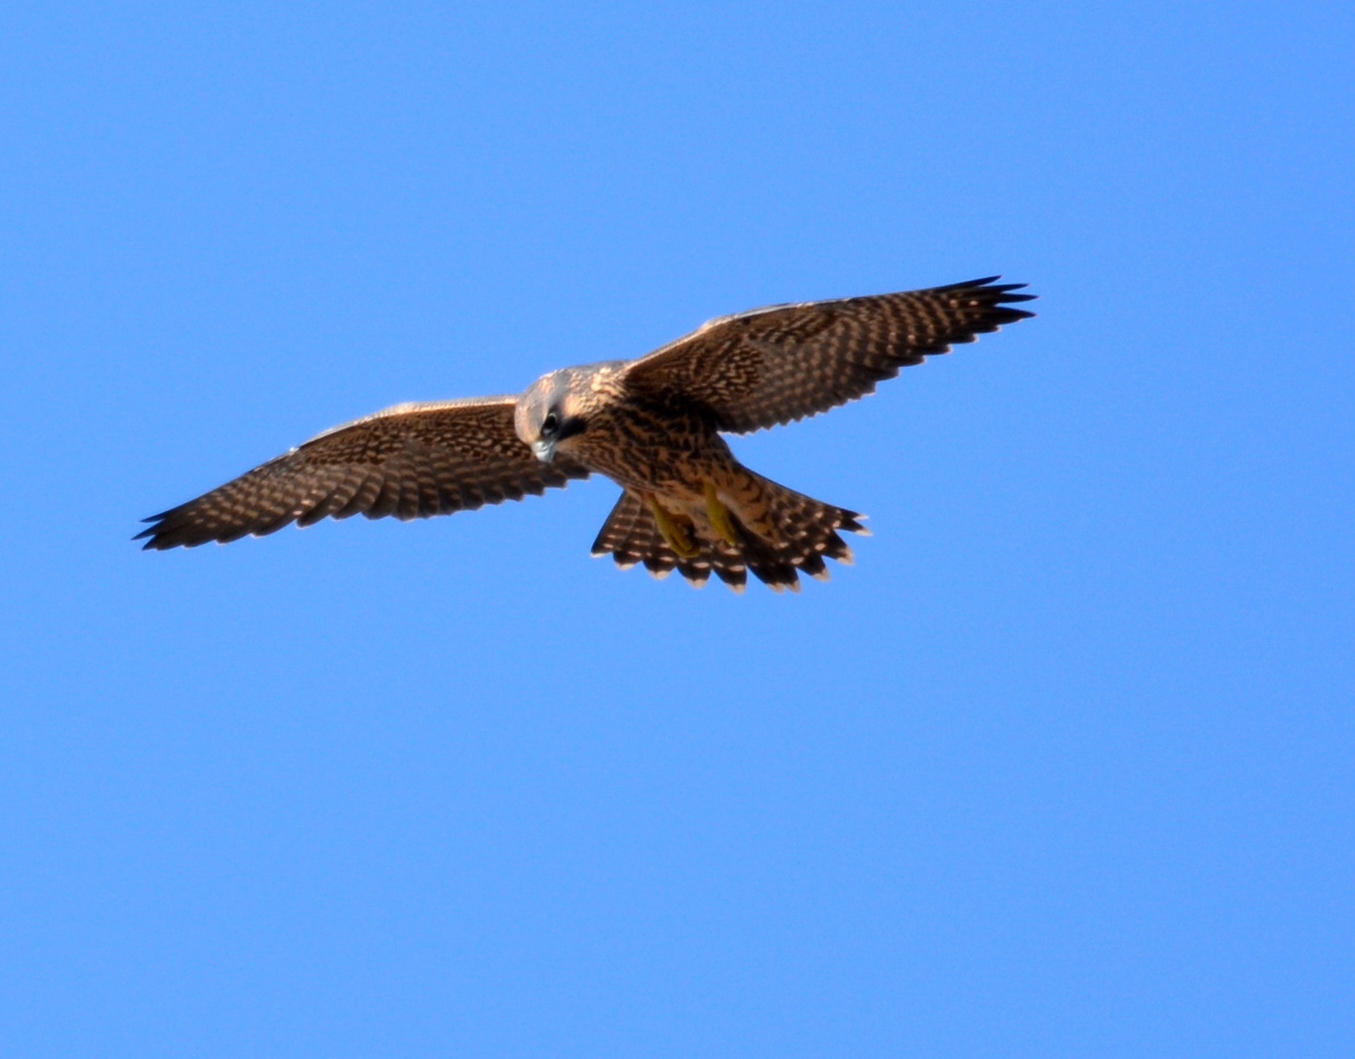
653,425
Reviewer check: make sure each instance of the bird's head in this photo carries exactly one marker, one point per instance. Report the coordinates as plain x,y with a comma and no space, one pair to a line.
552,410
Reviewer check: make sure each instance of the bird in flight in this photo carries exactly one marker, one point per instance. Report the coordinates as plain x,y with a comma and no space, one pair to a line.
652,425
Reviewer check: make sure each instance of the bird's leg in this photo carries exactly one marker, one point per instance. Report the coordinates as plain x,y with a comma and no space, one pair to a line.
677,535
719,516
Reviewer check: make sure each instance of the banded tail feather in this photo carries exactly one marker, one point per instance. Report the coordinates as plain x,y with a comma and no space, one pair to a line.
803,532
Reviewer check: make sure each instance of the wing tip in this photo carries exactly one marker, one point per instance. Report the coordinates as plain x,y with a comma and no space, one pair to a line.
156,532
990,285
999,297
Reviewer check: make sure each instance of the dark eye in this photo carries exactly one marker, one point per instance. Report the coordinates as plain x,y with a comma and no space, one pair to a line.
549,424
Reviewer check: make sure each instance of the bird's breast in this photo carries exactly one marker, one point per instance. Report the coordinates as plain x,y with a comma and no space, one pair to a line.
643,448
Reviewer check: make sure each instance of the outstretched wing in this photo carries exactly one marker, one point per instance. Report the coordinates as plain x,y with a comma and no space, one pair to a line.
767,366
411,461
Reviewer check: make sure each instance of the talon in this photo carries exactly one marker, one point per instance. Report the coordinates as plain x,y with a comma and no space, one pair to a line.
674,532
719,516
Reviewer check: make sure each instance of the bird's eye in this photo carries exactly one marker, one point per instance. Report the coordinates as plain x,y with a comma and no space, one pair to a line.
549,424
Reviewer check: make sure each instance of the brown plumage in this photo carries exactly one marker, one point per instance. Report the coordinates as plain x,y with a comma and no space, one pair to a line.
652,425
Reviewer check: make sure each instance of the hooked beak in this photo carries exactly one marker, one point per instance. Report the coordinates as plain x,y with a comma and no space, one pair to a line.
545,450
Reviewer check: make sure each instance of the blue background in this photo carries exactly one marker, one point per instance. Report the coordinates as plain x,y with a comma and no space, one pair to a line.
1061,767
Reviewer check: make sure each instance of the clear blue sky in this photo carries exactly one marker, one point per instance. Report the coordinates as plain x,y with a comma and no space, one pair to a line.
1061,767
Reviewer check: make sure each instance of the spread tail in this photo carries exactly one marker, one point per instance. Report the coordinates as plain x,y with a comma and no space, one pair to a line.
802,532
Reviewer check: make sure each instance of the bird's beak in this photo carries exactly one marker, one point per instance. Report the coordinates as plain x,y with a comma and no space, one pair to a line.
545,450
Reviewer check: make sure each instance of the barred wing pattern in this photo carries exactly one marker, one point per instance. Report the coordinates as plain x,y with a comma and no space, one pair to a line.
411,461
783,362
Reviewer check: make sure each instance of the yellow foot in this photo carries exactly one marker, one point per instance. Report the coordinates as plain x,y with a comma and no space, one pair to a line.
719,516
677,535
